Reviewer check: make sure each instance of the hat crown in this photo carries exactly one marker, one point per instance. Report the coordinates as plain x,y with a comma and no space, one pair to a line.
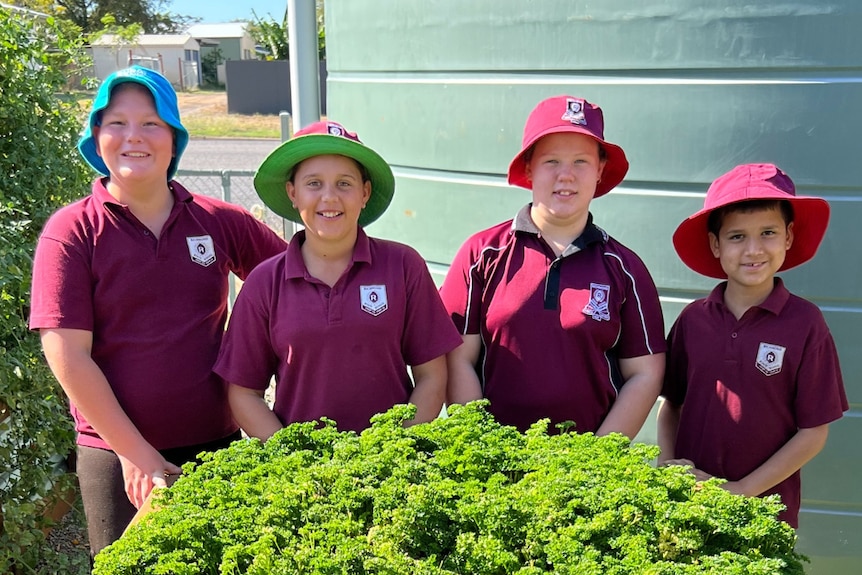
564,112
749,182
324,128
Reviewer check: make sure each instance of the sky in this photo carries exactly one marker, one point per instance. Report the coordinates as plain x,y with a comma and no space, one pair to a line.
215,11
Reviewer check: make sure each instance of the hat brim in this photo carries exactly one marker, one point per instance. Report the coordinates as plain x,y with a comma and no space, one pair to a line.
810,220
166,111
272,175
615,170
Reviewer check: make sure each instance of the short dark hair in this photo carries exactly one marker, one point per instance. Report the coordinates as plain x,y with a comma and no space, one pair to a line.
716,217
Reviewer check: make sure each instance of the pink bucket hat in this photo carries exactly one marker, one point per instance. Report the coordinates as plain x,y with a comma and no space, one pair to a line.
752,182
567,114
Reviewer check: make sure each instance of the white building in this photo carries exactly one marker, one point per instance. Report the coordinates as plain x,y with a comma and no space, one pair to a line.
176,56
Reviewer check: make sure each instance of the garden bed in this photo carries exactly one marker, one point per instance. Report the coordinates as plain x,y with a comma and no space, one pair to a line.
461,494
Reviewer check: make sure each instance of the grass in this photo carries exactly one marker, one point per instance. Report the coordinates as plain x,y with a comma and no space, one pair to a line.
232,126
204,114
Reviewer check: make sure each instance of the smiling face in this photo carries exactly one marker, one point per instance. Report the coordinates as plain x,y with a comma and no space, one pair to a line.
751,246
329,193
564,169
136,145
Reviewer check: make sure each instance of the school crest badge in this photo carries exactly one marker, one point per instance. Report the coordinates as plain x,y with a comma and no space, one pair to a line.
202,250
575,112
373,299
597,307
770,358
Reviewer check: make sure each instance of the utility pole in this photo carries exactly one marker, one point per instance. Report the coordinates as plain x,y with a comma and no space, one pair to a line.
304,63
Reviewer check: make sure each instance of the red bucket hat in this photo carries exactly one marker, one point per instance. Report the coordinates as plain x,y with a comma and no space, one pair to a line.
562,114
752,182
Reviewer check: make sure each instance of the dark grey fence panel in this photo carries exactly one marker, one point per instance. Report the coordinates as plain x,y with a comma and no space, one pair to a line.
263,86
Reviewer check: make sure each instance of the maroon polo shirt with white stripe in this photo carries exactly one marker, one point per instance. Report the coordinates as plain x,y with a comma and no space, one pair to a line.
341,352
748,385
553,328
156,306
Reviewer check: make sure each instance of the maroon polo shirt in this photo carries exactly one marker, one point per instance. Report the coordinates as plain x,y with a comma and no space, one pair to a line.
156,306
340,352
748,385
553,328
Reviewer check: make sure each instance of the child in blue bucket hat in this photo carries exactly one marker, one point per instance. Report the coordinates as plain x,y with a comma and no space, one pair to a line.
129,294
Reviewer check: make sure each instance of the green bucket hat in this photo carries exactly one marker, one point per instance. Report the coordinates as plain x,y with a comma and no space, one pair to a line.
319,139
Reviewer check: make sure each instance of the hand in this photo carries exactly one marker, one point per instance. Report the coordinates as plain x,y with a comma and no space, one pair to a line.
682,462
140,483
699,474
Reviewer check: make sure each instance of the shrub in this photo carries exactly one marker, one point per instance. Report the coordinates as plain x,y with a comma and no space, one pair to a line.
461,494
40,172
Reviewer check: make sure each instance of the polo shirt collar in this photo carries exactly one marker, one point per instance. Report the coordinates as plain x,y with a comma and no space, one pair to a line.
101,193
774,302
294,266
591,234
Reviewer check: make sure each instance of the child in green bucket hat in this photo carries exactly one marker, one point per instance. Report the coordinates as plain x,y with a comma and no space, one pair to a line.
340,319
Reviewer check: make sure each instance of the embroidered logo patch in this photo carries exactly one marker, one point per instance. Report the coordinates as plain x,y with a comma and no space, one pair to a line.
597,307
574,112
201,250
373,299
770,358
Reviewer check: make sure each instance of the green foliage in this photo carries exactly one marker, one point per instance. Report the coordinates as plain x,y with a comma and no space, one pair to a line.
274,36
459,495
151,15
40,171
126,34
209,66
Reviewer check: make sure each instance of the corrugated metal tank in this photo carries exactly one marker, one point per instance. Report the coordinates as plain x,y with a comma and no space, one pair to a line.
690,88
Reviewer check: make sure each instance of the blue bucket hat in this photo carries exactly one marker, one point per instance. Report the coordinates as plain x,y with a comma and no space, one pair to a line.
166,106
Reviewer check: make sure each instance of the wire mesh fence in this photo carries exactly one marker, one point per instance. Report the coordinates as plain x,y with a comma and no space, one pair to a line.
236,187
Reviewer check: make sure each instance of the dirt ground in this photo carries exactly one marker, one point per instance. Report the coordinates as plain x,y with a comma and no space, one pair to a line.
202,103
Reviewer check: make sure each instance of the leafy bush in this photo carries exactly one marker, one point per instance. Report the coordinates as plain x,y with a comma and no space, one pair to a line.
209,67
40,171
457,495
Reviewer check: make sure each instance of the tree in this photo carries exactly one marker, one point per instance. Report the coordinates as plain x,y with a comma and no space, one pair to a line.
152,15
275,38
41,171
209,66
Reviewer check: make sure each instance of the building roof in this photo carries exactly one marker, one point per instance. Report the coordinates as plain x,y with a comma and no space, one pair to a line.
145,40
224,30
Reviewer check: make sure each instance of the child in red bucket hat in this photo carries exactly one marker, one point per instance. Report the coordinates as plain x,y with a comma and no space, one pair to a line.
566,320
752,379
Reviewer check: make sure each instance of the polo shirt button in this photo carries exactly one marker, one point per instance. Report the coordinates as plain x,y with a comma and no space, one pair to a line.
733,335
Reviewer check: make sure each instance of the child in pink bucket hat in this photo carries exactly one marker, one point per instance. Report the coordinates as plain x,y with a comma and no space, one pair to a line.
752,378
565,318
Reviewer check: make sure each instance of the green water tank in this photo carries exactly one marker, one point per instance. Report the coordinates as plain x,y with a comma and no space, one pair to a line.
690,88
